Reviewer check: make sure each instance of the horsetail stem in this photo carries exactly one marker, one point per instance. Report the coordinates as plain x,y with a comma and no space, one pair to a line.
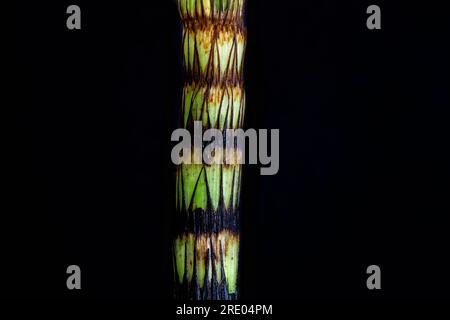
206,239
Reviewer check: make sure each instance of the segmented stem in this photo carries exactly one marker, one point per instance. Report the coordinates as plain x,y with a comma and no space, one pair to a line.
206,240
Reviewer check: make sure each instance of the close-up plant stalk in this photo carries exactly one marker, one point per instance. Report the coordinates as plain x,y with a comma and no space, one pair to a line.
206,233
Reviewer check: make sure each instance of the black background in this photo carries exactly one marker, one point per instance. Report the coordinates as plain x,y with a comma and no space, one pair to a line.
364,165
